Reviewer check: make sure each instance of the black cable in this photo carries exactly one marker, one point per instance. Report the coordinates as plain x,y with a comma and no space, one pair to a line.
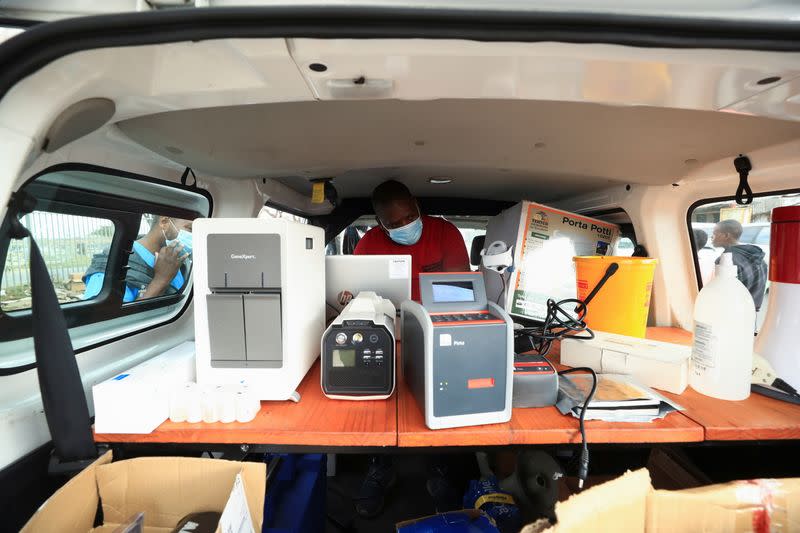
558,323
503,280
583,464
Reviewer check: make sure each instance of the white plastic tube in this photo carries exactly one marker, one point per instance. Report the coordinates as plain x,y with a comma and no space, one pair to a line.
226,403
194,410
209,405
247,405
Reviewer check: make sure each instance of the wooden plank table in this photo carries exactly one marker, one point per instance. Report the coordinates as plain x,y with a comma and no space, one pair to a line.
544,425
314,421
756,418
398,421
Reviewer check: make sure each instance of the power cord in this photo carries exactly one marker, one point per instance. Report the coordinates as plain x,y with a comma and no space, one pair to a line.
583,461
503,292
560,323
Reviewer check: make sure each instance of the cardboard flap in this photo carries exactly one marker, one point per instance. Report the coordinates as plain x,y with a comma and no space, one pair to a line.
169,488
254,476
73,506
617,505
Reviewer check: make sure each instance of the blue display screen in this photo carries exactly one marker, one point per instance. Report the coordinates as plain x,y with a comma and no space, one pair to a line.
453,291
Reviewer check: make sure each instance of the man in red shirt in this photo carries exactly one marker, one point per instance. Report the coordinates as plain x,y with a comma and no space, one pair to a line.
434,244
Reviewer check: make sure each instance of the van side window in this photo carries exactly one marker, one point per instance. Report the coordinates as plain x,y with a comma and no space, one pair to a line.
117,247
624,247
67,244
744,231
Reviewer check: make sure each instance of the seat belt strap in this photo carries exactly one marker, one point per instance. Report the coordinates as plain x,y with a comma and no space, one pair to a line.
64,401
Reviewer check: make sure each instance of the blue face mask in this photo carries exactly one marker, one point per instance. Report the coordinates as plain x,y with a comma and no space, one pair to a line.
184,237
408,234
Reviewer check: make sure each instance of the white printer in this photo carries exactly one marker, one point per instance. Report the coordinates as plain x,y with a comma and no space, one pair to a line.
259,302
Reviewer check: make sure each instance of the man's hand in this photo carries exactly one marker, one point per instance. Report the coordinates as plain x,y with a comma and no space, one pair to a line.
168,261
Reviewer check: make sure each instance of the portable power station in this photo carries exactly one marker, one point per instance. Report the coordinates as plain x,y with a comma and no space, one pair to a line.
358,350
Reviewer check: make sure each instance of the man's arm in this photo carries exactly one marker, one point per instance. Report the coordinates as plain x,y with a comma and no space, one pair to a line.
455,257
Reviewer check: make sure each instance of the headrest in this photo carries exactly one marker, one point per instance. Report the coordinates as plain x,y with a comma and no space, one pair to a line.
476,249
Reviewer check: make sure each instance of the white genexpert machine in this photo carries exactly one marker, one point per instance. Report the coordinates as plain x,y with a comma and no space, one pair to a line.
259,302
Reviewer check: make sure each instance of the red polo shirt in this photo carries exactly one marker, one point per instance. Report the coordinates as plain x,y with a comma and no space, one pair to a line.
439,249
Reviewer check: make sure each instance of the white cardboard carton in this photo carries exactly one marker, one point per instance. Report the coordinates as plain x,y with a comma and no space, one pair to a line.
661,365
544,240
137,400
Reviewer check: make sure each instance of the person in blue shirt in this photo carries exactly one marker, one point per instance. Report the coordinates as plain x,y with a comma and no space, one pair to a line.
157,265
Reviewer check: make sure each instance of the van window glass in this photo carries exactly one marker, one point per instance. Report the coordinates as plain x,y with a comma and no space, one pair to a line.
763,236
102,234
624,247
159,265
744,231
67,243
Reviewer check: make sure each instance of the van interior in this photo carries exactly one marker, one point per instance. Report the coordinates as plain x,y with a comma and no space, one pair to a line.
98,134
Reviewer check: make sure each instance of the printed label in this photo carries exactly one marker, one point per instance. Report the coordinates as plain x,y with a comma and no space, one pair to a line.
704,350
399,269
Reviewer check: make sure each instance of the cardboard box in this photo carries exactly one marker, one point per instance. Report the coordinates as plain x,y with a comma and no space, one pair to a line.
761,505
617,505
545,240
630,504
137,400
165,488
661,365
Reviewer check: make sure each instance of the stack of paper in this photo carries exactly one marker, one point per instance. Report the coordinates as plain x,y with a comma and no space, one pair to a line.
618,398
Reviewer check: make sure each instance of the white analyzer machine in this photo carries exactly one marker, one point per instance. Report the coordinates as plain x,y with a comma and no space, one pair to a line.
259,302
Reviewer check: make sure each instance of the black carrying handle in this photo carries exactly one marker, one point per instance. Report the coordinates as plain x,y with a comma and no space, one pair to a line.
744,194
185,178
63,398
610,271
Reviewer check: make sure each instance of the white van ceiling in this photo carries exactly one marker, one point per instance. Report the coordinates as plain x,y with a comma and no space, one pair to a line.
491,148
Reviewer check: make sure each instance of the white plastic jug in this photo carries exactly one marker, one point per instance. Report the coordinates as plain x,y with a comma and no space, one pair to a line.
724,323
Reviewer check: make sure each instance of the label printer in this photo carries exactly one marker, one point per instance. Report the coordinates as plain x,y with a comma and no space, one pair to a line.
458,352
259,302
